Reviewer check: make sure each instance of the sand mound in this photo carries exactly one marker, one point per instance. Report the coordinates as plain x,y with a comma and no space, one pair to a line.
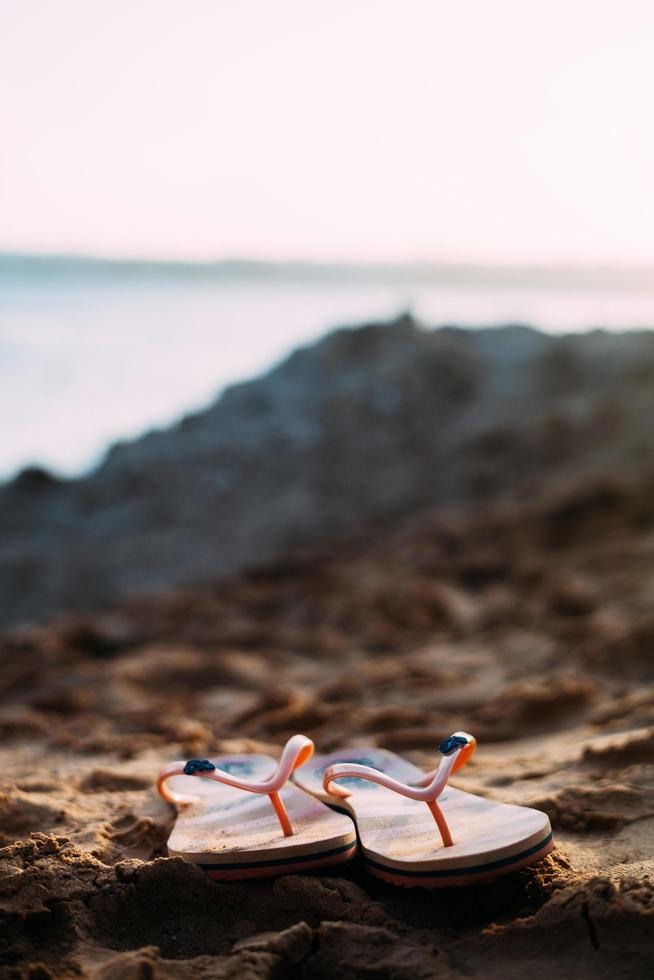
534,639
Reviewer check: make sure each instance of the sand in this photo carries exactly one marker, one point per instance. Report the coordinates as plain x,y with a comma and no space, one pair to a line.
531,628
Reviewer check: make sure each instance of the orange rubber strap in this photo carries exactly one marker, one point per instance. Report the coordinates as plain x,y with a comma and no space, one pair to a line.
297,751
457,751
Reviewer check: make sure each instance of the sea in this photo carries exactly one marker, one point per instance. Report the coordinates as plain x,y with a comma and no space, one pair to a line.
92,353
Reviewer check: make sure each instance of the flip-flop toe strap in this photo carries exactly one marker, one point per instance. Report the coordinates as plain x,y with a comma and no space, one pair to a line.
297,751
456,750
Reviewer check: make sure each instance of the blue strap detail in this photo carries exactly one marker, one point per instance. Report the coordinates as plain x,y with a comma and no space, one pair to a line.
198,765
452,743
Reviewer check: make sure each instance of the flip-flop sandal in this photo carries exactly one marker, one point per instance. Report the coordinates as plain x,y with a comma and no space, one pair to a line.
226,824
413,830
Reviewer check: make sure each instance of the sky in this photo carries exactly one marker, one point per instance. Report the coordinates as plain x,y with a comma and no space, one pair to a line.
495,131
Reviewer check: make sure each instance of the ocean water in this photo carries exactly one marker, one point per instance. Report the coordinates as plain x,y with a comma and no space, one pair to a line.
87,360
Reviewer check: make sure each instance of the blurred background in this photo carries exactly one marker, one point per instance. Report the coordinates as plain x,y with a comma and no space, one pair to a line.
188,194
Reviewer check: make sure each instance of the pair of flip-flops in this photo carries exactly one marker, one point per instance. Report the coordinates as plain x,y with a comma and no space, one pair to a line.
247,816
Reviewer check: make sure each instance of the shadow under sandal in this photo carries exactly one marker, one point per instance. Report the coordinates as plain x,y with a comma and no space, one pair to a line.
413,829
239,817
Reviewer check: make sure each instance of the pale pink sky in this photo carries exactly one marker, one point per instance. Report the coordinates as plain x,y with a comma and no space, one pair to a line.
493,130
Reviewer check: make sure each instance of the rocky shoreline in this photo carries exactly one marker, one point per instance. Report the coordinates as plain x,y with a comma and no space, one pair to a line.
366,428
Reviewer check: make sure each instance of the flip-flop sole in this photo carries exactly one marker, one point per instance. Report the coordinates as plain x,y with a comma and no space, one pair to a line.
233,834
264,869
454,879
399,841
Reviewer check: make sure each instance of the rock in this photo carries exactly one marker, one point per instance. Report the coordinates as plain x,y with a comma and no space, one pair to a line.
364,427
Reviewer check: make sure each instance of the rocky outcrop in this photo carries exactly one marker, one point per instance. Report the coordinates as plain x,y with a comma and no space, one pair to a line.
367,426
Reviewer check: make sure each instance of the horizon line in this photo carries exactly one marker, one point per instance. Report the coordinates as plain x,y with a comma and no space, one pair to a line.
65,268
436,264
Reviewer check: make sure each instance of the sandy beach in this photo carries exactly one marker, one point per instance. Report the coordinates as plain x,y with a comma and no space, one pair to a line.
530,627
